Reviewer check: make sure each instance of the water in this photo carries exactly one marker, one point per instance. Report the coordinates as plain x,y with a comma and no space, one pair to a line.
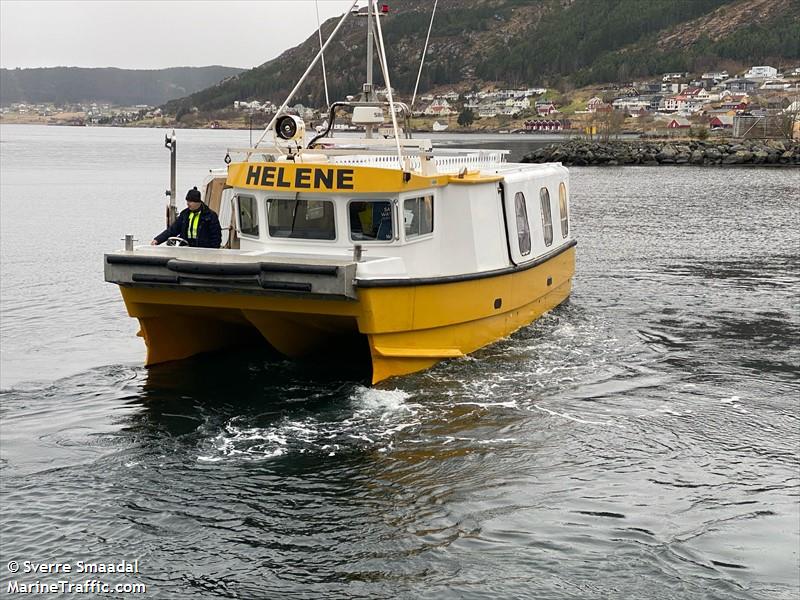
640,441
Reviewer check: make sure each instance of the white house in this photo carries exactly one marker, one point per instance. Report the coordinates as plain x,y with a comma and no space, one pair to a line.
518,103
510,110
763,72
671,104
487,111
632,104
716,75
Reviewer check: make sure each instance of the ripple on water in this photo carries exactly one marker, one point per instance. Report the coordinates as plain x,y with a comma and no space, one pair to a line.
640,439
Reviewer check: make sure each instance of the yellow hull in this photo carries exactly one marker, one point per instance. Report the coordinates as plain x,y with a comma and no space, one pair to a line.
409,328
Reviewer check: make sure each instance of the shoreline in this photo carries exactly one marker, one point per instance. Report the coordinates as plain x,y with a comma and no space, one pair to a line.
696,153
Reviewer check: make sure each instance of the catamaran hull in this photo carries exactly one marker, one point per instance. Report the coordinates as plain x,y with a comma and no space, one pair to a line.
409,326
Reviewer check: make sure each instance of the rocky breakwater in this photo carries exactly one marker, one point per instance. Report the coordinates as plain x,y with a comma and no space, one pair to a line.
697,153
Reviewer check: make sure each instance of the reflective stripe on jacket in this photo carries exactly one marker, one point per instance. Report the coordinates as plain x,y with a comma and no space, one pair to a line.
207,232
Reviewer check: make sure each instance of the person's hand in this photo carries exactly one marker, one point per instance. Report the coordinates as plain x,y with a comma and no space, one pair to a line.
154,243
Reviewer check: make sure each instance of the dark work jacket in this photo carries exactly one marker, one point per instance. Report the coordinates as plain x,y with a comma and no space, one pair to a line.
209,234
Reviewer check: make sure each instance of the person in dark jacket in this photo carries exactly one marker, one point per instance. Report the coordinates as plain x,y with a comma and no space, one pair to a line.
197,224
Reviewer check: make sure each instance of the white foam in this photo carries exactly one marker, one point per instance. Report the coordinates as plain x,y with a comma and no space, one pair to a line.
377,416
371,400
509,404
569,417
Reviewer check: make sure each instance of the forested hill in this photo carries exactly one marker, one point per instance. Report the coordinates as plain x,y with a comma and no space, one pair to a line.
62,85
534,42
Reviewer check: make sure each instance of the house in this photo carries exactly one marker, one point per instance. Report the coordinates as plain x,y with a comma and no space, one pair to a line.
679,123
696,93
516,104
594,103
545,107
674,76
487,111
734,105
509,109
740,85
631,104
672,103
763,72
721,122
653,101
439,108
545,125
715,75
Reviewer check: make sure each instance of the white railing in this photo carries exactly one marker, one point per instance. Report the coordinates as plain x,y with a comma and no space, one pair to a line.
481,159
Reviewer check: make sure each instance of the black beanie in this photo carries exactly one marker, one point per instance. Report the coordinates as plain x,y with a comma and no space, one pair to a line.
193,194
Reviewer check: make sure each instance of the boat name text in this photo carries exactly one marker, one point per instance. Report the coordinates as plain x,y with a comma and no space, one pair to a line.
304,178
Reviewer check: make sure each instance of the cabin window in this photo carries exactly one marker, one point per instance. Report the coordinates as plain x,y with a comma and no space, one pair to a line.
523,229
418,216
562,204
248,215
371,220
547,217
303,219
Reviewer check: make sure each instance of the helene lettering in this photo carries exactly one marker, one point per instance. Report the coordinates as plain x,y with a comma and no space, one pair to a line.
303,178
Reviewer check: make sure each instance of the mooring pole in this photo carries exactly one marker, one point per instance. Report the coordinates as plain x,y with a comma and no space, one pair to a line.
171,143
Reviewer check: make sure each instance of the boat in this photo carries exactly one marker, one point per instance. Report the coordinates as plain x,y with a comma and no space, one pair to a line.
365,248
439,126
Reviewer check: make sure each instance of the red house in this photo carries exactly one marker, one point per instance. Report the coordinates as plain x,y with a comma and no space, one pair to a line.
679,123
721,122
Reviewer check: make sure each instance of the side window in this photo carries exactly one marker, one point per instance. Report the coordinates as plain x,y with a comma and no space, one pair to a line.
562,204
547,217
418,216
523,229
248,215
371,220
303,219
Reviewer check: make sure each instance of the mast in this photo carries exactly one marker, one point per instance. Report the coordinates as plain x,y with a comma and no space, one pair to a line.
368,90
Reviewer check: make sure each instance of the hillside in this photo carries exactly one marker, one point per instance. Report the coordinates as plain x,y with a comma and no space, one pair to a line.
554,43
126,87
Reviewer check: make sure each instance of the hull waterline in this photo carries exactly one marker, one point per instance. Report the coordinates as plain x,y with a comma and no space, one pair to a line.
408,328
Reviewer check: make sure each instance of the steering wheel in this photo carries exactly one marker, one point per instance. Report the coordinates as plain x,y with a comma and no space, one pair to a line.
176,241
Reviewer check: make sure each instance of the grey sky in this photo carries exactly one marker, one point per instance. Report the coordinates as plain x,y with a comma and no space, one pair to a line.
155,34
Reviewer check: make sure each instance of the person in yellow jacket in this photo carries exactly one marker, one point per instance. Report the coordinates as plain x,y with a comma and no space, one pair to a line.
197,224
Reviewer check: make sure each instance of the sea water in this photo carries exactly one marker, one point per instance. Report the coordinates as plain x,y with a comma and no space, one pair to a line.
640,441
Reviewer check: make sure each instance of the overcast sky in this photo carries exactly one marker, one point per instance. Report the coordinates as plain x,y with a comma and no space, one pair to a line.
155,34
